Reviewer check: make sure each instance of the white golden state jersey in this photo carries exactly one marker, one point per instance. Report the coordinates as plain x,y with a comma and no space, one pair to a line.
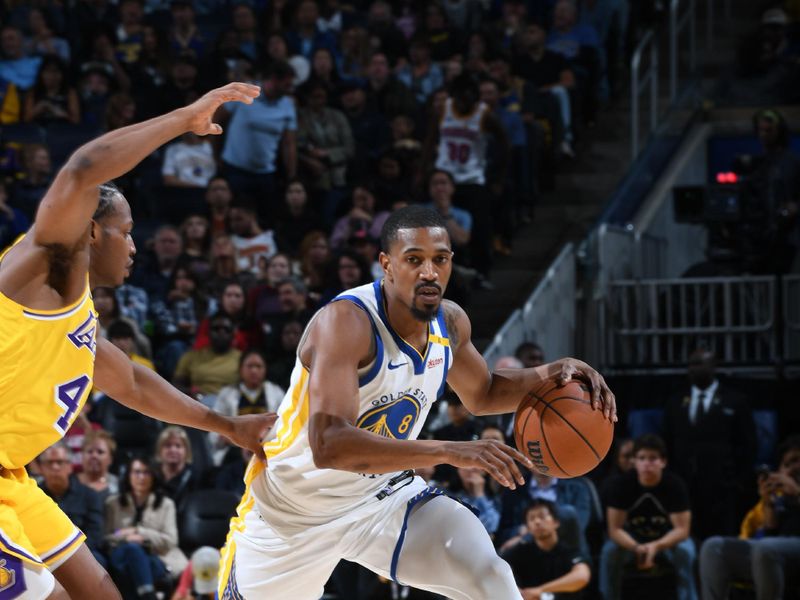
396,392
462,145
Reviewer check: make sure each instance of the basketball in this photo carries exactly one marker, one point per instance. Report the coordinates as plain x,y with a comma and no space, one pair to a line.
557,429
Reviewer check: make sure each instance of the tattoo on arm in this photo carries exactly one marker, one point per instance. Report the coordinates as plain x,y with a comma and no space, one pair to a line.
451,320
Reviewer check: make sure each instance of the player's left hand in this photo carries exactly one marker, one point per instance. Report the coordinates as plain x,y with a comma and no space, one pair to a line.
602,397
201,111
249,431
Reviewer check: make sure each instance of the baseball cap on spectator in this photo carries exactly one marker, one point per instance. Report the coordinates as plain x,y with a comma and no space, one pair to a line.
205,564
774,16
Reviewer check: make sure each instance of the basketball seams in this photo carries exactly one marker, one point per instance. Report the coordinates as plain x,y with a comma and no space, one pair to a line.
571,426
547,444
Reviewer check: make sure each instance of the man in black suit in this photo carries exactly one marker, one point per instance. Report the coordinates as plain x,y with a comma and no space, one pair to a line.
711,439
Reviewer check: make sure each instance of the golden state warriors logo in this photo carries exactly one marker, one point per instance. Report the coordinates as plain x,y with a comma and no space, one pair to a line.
395,420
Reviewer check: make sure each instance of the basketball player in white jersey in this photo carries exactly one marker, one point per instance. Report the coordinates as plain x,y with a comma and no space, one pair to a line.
338,483
460,134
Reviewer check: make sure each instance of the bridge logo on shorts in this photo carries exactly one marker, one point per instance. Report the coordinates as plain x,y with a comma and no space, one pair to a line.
395,420
9,568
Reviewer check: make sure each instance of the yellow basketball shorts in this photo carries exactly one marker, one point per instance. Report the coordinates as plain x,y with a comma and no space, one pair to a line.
32,526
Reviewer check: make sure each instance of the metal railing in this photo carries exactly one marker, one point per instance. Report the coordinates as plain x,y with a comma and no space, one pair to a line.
676,26
655,324
547,317
640,83
647,79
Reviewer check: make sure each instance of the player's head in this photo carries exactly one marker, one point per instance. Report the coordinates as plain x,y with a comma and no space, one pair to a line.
649,458
416,259
112,247
541,519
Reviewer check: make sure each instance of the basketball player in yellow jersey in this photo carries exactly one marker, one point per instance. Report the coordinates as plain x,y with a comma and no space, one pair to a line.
51,355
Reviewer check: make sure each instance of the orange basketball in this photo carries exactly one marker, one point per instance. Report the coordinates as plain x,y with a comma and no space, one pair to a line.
557,429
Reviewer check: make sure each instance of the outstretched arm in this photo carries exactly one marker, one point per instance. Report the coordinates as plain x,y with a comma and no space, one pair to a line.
70,202
146,392
485,393
339,340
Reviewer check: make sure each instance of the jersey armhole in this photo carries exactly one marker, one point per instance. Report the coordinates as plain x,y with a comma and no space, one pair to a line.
370,371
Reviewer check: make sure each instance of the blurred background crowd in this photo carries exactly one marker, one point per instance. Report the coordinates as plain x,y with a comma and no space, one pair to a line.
476,107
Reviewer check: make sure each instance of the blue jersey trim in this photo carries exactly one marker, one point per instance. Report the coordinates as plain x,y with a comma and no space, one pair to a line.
376,366
21,551
416,359
443,328
427,493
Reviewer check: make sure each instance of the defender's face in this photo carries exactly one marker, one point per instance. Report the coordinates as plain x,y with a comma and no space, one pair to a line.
112,248
417,269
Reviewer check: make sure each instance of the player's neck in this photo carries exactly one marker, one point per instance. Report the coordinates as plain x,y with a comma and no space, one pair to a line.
405,325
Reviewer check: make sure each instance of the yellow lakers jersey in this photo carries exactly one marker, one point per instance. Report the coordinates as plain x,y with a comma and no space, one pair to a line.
46,370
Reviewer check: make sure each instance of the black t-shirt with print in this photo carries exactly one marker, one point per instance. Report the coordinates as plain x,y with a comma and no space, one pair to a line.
648,508
533,566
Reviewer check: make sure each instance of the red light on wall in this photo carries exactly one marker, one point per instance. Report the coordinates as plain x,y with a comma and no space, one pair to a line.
727,177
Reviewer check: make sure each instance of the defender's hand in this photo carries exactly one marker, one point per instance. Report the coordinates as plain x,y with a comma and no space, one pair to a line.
494,457
249,431
201,112
602,397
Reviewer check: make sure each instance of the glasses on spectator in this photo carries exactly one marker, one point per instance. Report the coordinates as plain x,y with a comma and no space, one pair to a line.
141,472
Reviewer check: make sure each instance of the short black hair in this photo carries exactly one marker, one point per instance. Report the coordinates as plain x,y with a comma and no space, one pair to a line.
542,503
414,216
650,441
105,204
120,329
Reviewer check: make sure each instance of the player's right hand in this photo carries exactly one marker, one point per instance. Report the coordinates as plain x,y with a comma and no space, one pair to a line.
201,112
492,456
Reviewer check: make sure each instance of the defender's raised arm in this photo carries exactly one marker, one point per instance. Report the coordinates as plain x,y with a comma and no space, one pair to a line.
72,199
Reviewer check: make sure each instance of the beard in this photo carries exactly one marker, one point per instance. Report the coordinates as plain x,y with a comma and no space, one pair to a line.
426,312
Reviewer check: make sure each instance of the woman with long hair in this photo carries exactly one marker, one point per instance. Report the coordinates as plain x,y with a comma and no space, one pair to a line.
52,99
231,302
262,300
141,529
347,270
174,458
314,254
196,233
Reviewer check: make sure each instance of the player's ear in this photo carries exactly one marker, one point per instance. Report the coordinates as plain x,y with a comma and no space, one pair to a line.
94,232
386,265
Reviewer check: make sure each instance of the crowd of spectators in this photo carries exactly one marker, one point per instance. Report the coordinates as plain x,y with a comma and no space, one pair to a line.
644,525
365,107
